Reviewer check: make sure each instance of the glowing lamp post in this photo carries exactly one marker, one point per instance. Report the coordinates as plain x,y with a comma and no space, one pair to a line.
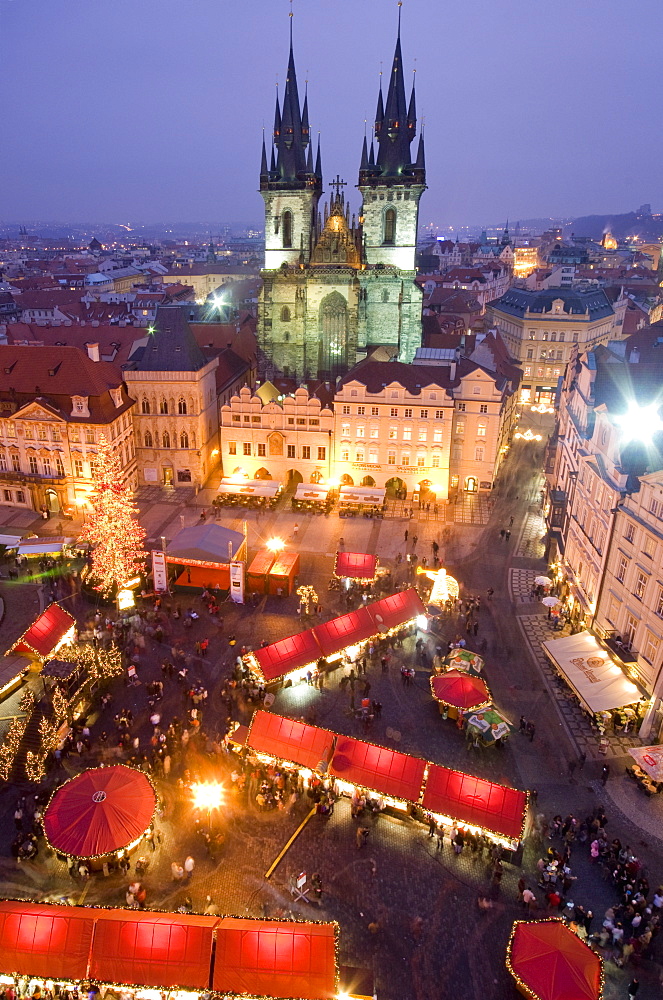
207,795
275,544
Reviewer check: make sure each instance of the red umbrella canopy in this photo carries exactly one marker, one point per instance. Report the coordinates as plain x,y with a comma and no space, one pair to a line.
553,963
100,811
460,689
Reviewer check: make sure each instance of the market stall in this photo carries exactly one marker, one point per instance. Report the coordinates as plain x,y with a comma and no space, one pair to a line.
590,671
397,777
487,726
360,500
464,659
290,741
49,546
258,572
312,497
455,797
53,628
203,554
144,951
248,493
289,657
359,567
457,691
549,962
98,814
346,631
283,574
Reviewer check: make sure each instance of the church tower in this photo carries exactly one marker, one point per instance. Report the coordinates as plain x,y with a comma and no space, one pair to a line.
391,185
291,184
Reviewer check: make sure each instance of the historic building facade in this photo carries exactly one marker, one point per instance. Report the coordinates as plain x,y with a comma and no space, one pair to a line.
333,284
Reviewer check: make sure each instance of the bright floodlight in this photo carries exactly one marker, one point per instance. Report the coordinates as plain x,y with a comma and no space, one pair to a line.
275,544
207,795
640,423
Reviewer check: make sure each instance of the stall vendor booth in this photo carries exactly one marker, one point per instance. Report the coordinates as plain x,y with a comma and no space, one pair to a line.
142,952
257,574
487,726
464,659
457,691
203,553
48,546
313,497
324,645
356,567
98,815
549,962
282,578
361,500
395,780
53,628
598,682
252,493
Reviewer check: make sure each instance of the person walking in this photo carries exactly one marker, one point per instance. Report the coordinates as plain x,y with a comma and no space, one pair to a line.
406,535
605,774
523,724
361,836
415,539
530,731
295,530
633,988
581,761
189,865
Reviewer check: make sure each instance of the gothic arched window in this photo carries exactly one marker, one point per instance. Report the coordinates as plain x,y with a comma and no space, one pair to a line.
390,226
287,229
181,406
148,439
332,357
163,408
145,405
166,439
184,440
385,295
285,314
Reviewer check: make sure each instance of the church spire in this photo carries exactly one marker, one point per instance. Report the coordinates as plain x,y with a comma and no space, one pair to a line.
395,121
318,163
421,155
263,158
364,156
291,127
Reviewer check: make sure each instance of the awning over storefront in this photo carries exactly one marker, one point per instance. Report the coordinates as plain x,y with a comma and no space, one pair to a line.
264,488
475,801
362,495
355,565
45,632
598,681
156,949
385,771
40,940
312,492
348,630
289,740
286,655
650,759
275,958
43,546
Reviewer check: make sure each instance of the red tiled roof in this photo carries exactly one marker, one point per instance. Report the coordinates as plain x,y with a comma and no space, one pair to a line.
57,371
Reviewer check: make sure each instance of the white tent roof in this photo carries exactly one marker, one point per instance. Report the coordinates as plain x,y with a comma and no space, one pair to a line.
43,546
250,488
599,682
362,494
311,491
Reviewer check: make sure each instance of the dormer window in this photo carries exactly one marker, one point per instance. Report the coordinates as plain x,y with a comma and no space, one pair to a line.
116,396
80,406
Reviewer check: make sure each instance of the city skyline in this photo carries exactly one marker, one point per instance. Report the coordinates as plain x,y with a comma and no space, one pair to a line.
164,121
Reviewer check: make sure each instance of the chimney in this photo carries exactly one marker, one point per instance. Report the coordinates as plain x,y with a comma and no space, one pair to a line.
93,351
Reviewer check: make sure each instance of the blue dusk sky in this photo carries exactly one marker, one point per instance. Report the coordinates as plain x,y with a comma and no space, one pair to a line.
152,110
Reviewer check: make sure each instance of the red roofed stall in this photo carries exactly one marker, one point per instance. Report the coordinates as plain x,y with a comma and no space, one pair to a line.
550,962
45,633
348,630
355,566
290,740
40,940
385,771
396,610
475,801
282,657
275,958
161,950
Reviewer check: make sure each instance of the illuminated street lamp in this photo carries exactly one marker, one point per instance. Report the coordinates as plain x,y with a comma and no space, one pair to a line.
275,544
207,795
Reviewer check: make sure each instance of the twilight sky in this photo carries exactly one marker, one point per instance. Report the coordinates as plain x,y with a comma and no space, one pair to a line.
151,110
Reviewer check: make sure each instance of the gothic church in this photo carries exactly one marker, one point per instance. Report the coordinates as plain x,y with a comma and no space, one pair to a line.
335,287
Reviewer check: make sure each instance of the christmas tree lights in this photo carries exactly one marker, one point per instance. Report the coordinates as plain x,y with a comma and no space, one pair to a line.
111,527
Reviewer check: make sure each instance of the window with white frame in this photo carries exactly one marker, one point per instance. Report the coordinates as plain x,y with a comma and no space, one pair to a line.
345,410
481,430
361,431
651,644
622,566
435,461
439,414
422,433
649,547
640,585
405,459
345,430
345,455
630,628
629,533
393,433
391,458
375,432
478,454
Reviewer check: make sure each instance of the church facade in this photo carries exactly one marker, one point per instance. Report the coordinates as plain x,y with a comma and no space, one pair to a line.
336,286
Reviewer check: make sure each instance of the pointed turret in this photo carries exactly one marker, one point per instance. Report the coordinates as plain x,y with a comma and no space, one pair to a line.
421,155
371,155
412,111
305,126
318,163
277,118
291,130
364,156
309,159
263,160
379,114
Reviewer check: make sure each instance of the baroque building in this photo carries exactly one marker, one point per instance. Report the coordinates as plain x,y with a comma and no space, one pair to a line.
335,285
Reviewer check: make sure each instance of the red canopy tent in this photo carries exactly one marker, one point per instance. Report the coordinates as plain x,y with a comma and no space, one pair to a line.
100,811
385,771
475,801
286,655
355,565
396,610
41,940
45,632
287,739
460,689
550,962
348,630
275,958
160,950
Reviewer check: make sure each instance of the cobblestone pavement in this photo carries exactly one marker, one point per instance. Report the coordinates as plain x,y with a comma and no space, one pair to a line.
399,875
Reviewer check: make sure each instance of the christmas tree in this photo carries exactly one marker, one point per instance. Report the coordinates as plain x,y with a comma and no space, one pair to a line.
111,527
